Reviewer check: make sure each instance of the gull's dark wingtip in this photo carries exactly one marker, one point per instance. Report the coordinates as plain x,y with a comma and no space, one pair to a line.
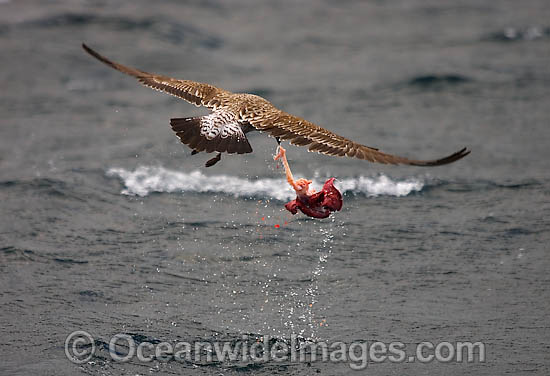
445,160
93,53
87,49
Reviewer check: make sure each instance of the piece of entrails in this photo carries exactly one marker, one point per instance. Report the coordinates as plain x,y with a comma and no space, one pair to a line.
314,204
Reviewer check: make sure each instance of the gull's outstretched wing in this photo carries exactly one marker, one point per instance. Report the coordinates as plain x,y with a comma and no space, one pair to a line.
263,116
200,94
301,132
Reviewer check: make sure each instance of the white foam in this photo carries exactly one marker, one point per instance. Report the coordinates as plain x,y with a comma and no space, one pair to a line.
380,185
147,179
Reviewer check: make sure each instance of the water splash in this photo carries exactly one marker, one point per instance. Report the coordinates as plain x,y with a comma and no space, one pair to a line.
303,309
313,316
148,179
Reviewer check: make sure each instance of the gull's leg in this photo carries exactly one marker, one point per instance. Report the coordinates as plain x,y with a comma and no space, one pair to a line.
281,154
213,161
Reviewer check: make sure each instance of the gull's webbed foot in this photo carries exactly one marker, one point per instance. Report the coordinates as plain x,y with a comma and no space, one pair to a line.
213,161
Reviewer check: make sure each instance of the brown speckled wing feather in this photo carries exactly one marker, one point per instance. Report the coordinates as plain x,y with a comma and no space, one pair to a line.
194,92
301,132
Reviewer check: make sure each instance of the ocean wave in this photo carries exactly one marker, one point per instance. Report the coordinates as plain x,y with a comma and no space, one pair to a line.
148,179
164,28
512,34
438,80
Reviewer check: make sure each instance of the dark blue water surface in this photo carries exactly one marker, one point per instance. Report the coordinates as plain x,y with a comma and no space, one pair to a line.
110,226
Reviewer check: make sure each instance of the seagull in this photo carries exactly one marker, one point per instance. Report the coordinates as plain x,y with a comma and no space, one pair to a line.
233,115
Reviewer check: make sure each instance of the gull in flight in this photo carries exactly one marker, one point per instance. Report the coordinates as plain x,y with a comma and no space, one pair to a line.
233,115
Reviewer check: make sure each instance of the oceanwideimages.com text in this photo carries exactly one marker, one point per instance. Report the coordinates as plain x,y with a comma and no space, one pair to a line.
80,347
